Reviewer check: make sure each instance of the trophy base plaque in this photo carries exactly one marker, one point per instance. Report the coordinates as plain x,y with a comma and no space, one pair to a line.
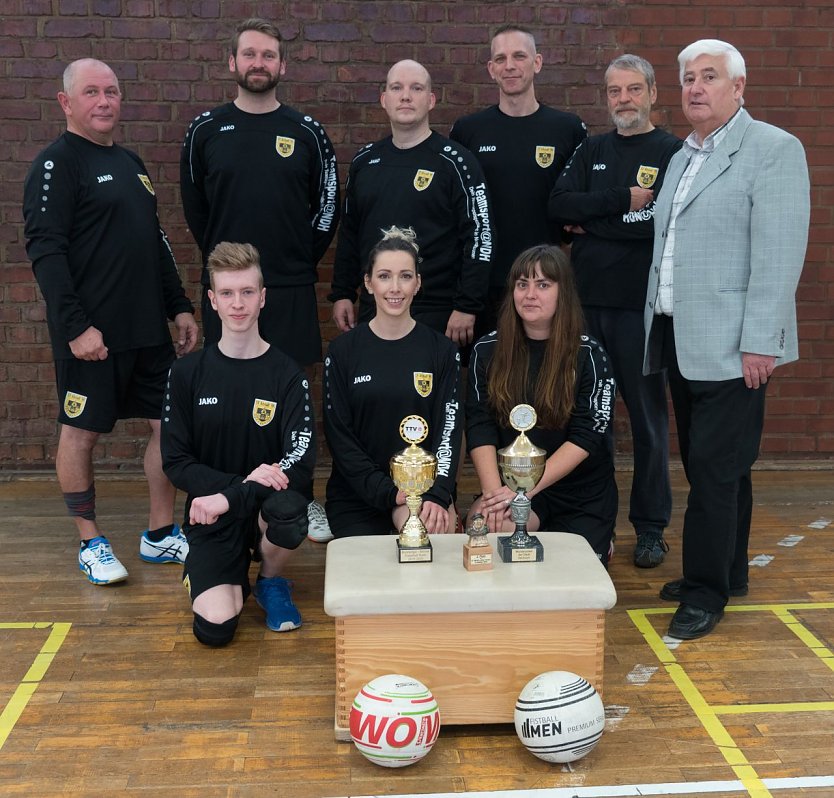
414,553
477,558
532,551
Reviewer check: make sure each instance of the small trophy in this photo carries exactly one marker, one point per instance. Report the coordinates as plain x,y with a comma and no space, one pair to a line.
521,465
413,471
477,553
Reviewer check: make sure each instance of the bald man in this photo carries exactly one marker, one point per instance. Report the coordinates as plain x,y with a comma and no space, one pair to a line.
109,280
417,178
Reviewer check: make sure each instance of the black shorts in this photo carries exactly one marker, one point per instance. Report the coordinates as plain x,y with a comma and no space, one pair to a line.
288,320
93,394
220,554
349,519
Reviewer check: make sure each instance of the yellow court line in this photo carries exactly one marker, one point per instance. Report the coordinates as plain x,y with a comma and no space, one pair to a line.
800,706
26,689
806,636
707,714
732,754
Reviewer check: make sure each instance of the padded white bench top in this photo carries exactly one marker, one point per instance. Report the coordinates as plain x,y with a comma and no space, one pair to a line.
363,577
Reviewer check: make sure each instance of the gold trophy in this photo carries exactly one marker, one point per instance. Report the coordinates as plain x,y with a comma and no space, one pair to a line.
477,553
521,465
413,471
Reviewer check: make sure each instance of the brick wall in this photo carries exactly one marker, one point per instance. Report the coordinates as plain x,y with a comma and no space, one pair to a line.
171,58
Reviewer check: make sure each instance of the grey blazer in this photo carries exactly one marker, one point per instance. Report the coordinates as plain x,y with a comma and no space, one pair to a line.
740,239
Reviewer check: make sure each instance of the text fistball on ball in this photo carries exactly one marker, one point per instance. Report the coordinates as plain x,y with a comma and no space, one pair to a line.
559,716
394,720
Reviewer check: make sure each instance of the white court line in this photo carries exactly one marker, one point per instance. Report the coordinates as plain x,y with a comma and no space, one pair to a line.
669,788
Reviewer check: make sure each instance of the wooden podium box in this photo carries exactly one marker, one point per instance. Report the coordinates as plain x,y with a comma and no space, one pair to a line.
475,638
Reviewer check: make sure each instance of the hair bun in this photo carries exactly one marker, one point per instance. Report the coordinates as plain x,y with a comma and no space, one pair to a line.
406,234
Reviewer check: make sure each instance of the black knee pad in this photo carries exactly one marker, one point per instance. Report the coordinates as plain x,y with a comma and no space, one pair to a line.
214,634
285,513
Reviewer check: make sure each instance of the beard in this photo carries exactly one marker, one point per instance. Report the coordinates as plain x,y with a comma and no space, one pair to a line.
637,118
253,81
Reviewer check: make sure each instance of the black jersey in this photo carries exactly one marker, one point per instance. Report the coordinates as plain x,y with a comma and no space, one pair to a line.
268,180
521,157
612,258
225,416
97,250
589,426
438,189
371,385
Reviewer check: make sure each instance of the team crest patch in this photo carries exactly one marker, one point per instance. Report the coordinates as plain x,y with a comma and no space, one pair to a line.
545,156
422,180
263,412
74,404
285,146
146,182
422,383
646,175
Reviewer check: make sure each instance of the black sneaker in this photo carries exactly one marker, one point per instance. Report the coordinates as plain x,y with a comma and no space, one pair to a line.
650,550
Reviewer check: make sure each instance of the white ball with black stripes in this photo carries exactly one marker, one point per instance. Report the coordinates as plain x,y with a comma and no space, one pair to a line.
559,716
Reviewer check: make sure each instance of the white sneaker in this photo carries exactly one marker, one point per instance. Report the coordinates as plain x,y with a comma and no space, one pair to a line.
318,529
172,548
98,562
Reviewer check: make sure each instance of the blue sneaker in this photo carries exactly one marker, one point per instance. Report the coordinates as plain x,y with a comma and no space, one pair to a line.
98,562
273,595
172,548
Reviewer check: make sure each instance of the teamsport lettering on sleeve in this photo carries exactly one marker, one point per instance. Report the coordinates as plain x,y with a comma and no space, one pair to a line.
329,183
601,398
477,207
301,443
444,450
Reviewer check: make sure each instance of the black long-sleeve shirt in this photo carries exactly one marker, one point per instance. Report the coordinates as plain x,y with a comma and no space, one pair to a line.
612,258
589,424
371,385
97,250
269,180
521,157
224,416
437,188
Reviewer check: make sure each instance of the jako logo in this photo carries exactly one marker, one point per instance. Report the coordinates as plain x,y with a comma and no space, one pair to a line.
361,378
599,167
226,127
104,178
488,148
207,400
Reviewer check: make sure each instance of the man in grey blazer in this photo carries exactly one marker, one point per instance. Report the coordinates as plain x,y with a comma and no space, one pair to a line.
731,227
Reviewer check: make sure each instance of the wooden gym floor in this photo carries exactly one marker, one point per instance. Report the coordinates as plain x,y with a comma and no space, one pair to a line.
104,689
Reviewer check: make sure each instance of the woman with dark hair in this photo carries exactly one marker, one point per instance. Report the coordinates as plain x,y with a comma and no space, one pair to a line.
374,376
540,356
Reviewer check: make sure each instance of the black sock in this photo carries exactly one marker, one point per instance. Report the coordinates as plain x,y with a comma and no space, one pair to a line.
156,535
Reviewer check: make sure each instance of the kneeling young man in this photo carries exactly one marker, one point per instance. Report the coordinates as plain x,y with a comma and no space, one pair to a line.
237,436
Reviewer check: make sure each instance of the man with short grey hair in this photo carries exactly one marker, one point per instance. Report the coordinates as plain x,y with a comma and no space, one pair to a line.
731,228
109,280
605,197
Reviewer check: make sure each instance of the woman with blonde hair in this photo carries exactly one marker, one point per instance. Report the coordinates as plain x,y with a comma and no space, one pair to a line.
540,356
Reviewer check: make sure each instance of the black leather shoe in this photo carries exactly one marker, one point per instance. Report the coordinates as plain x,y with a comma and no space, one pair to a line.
671,591
690,623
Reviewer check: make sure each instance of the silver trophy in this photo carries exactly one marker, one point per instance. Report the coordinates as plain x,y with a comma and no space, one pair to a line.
521,465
